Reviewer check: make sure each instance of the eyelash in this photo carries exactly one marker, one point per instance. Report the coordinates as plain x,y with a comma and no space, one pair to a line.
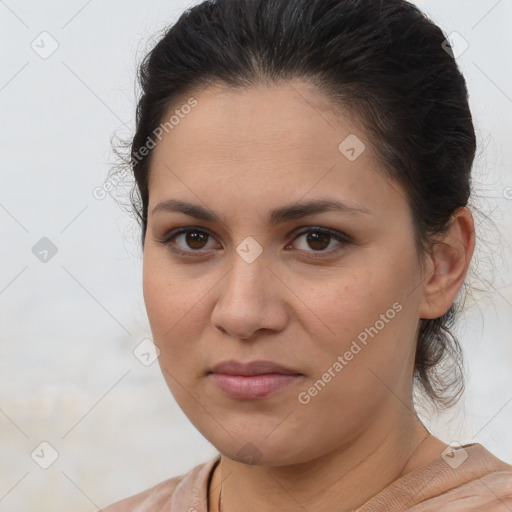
340,237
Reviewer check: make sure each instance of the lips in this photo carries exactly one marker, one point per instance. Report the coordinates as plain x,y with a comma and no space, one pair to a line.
254,380
252,368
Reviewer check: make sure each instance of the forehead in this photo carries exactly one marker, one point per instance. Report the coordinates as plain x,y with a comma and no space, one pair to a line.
283,140
254,122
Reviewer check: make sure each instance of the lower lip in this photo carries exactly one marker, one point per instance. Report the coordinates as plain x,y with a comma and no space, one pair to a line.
252,387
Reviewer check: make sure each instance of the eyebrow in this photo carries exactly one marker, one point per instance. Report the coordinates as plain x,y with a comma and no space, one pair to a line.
277,216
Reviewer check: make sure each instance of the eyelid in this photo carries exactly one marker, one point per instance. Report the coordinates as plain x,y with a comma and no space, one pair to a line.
166,240
338,235
341,237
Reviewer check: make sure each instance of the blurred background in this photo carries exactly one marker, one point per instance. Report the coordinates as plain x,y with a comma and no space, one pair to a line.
85,419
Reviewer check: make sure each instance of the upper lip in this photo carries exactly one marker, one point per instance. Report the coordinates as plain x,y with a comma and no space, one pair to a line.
232,367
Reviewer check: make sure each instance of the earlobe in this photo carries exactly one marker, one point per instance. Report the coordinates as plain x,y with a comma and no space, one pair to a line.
449,261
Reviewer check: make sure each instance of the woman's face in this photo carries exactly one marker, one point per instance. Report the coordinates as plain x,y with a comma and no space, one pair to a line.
257,282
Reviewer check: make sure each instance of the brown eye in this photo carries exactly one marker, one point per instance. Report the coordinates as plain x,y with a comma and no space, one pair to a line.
187,241
318,241
196,239
194,242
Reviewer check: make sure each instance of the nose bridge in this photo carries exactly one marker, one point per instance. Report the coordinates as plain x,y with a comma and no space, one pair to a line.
248,269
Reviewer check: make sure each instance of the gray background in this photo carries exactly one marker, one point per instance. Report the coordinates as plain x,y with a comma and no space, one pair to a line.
68,375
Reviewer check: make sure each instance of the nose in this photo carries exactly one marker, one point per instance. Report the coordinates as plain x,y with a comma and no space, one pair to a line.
251,298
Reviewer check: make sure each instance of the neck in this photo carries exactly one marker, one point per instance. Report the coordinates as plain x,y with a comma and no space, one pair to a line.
342,480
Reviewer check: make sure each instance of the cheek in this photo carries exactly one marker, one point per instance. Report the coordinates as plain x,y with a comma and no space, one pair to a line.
365,363
177,311
156,295
367,317
166,294
348,301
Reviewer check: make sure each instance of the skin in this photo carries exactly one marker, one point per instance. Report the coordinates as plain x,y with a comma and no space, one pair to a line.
242,153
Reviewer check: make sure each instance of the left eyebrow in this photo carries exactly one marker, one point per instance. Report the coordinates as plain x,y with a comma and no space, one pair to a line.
312,207
276,216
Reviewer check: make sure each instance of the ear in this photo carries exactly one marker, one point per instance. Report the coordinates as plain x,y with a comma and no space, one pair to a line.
447,265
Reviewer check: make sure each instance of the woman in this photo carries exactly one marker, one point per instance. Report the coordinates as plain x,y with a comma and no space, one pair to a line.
303,174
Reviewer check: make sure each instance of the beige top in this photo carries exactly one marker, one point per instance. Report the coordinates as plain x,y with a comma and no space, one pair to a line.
188,492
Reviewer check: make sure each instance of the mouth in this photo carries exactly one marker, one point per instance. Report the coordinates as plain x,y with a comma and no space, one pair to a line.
253,380
252,387
250,368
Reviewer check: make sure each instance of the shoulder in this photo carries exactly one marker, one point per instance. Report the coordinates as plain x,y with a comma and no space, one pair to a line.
173,493
459,473
153,498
